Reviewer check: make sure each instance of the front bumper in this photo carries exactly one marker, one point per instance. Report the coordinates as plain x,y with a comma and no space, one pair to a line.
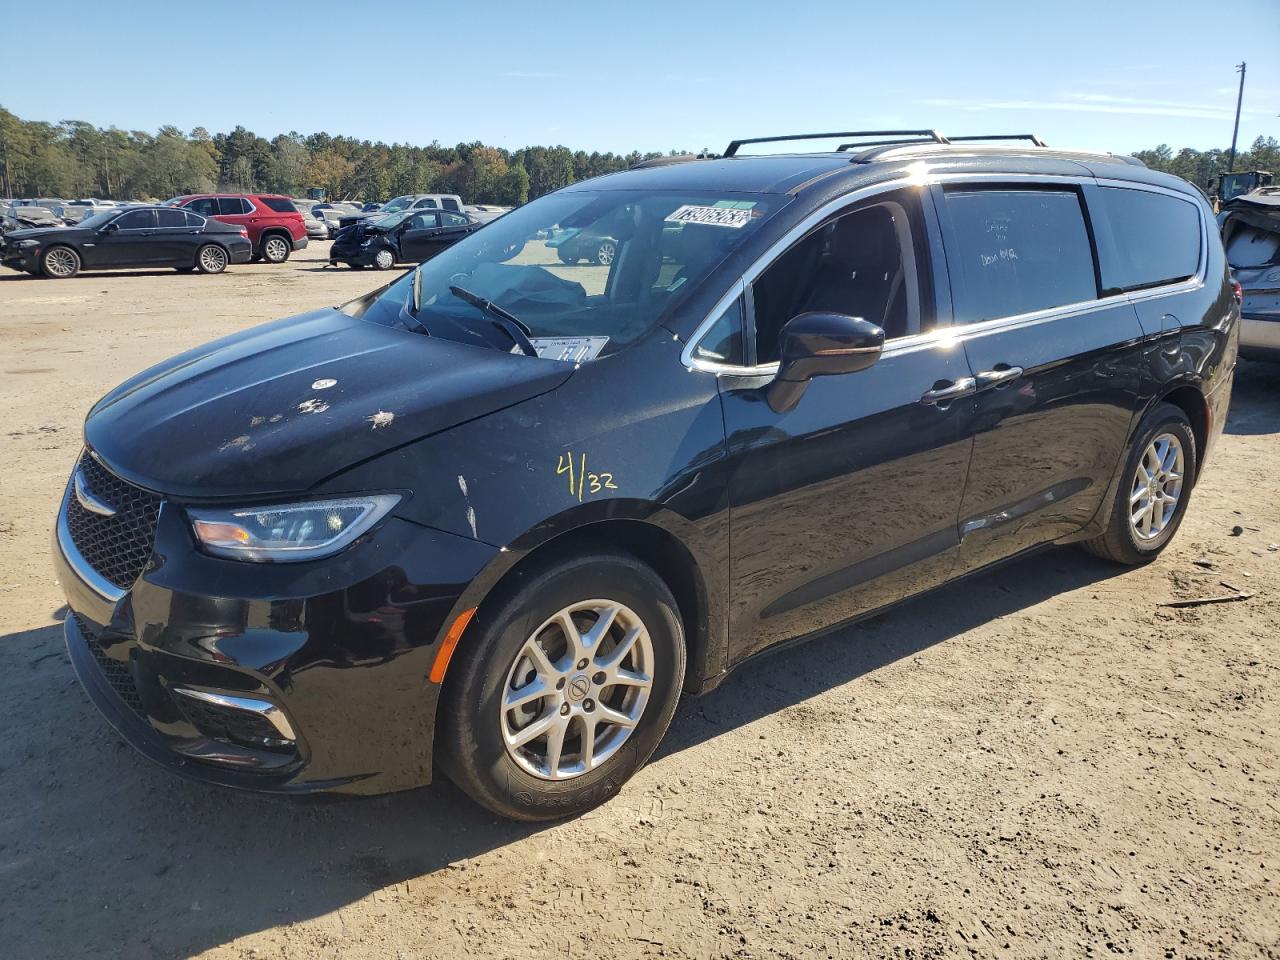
285,678
359,256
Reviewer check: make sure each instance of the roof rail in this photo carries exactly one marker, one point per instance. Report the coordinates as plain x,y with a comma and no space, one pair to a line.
1003,136
930,135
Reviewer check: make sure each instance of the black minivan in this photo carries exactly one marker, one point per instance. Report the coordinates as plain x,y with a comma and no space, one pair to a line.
503,511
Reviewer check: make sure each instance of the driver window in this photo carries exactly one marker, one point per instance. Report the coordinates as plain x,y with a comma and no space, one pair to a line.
422,221
867,263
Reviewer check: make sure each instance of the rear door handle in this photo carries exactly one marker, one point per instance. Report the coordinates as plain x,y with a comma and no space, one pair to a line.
962,387
998,377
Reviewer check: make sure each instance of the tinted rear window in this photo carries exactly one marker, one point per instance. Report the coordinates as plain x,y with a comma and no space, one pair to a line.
1157,239
1017,251
232,206
279,204
171,218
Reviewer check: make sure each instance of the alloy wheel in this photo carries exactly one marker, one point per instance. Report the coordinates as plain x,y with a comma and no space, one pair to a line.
275,250
577,689
606,253
212,259
1157,486
60,262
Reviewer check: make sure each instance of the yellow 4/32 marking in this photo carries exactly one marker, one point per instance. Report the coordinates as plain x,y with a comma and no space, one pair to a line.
582,483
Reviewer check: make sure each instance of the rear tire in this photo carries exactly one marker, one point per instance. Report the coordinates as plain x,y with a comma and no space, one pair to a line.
211,258
1154,489
605,253
60,263
275,249
621,708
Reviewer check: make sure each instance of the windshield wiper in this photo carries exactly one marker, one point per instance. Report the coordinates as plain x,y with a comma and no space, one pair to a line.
507,321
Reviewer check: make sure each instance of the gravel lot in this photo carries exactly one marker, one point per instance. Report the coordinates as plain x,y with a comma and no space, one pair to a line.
1041,762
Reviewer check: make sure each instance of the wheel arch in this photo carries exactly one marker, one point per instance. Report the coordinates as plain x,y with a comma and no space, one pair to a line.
1188,398
277,231
656,546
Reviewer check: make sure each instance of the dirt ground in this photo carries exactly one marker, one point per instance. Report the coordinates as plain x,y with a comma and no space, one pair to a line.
1040,762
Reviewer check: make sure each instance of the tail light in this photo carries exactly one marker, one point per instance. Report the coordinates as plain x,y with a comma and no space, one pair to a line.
1237,291
244,232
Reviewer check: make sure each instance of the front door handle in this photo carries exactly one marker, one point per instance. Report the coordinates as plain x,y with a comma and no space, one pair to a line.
953,390
998,377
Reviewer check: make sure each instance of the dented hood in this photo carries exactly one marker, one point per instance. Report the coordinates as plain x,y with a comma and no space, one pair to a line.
279,408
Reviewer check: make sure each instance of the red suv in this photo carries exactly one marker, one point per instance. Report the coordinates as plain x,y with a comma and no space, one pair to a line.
275,226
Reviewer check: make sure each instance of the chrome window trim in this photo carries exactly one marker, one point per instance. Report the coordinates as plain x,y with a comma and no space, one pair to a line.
954,332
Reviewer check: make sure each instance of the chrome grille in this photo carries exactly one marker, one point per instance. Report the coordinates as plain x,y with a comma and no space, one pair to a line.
119,546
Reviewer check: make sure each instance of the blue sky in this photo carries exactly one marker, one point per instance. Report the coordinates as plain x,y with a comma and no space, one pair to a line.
656,75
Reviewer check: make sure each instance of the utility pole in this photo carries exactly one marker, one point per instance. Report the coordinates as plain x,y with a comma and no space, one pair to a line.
1231,163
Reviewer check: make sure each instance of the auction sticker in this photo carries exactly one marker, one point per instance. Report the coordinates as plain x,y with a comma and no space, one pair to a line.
571,349
731,217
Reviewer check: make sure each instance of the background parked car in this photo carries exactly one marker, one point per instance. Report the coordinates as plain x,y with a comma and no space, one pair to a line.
24,217
1251,231
316,228
573,245
152,236
411,201
485,212
274,225
410,236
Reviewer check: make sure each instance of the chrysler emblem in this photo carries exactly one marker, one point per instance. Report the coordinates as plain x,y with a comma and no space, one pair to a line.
89,501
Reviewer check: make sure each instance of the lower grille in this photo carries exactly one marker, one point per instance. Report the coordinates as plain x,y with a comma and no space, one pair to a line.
119,674
118,546
234,726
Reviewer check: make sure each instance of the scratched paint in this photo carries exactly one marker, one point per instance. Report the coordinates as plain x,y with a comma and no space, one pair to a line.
382,418
241,442
313,406
324,383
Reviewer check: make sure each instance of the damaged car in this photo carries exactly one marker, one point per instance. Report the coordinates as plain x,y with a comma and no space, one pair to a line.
1251,233
498,515
410,236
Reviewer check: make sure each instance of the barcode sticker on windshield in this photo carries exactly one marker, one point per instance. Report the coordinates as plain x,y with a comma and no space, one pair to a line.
571,349
734,218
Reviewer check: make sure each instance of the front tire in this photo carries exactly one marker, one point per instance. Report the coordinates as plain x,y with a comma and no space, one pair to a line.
275,249
60,263
384,259
1154,489
211,258
563,686
605,253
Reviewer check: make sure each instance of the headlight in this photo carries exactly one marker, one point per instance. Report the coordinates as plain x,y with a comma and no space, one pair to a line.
28,244
288,532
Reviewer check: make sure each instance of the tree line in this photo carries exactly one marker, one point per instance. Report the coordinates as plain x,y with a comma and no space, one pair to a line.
76,159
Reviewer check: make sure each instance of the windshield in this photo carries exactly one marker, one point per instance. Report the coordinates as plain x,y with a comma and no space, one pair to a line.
393,221
586,272
399,203
98,219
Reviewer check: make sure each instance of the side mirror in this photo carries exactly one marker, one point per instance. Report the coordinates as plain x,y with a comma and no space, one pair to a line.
111,227
821,345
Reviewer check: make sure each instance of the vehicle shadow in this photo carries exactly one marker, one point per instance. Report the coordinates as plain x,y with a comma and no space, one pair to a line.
109,855
1255,399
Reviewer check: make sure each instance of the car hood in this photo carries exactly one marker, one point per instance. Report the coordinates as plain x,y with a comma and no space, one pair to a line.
39,233
279,408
